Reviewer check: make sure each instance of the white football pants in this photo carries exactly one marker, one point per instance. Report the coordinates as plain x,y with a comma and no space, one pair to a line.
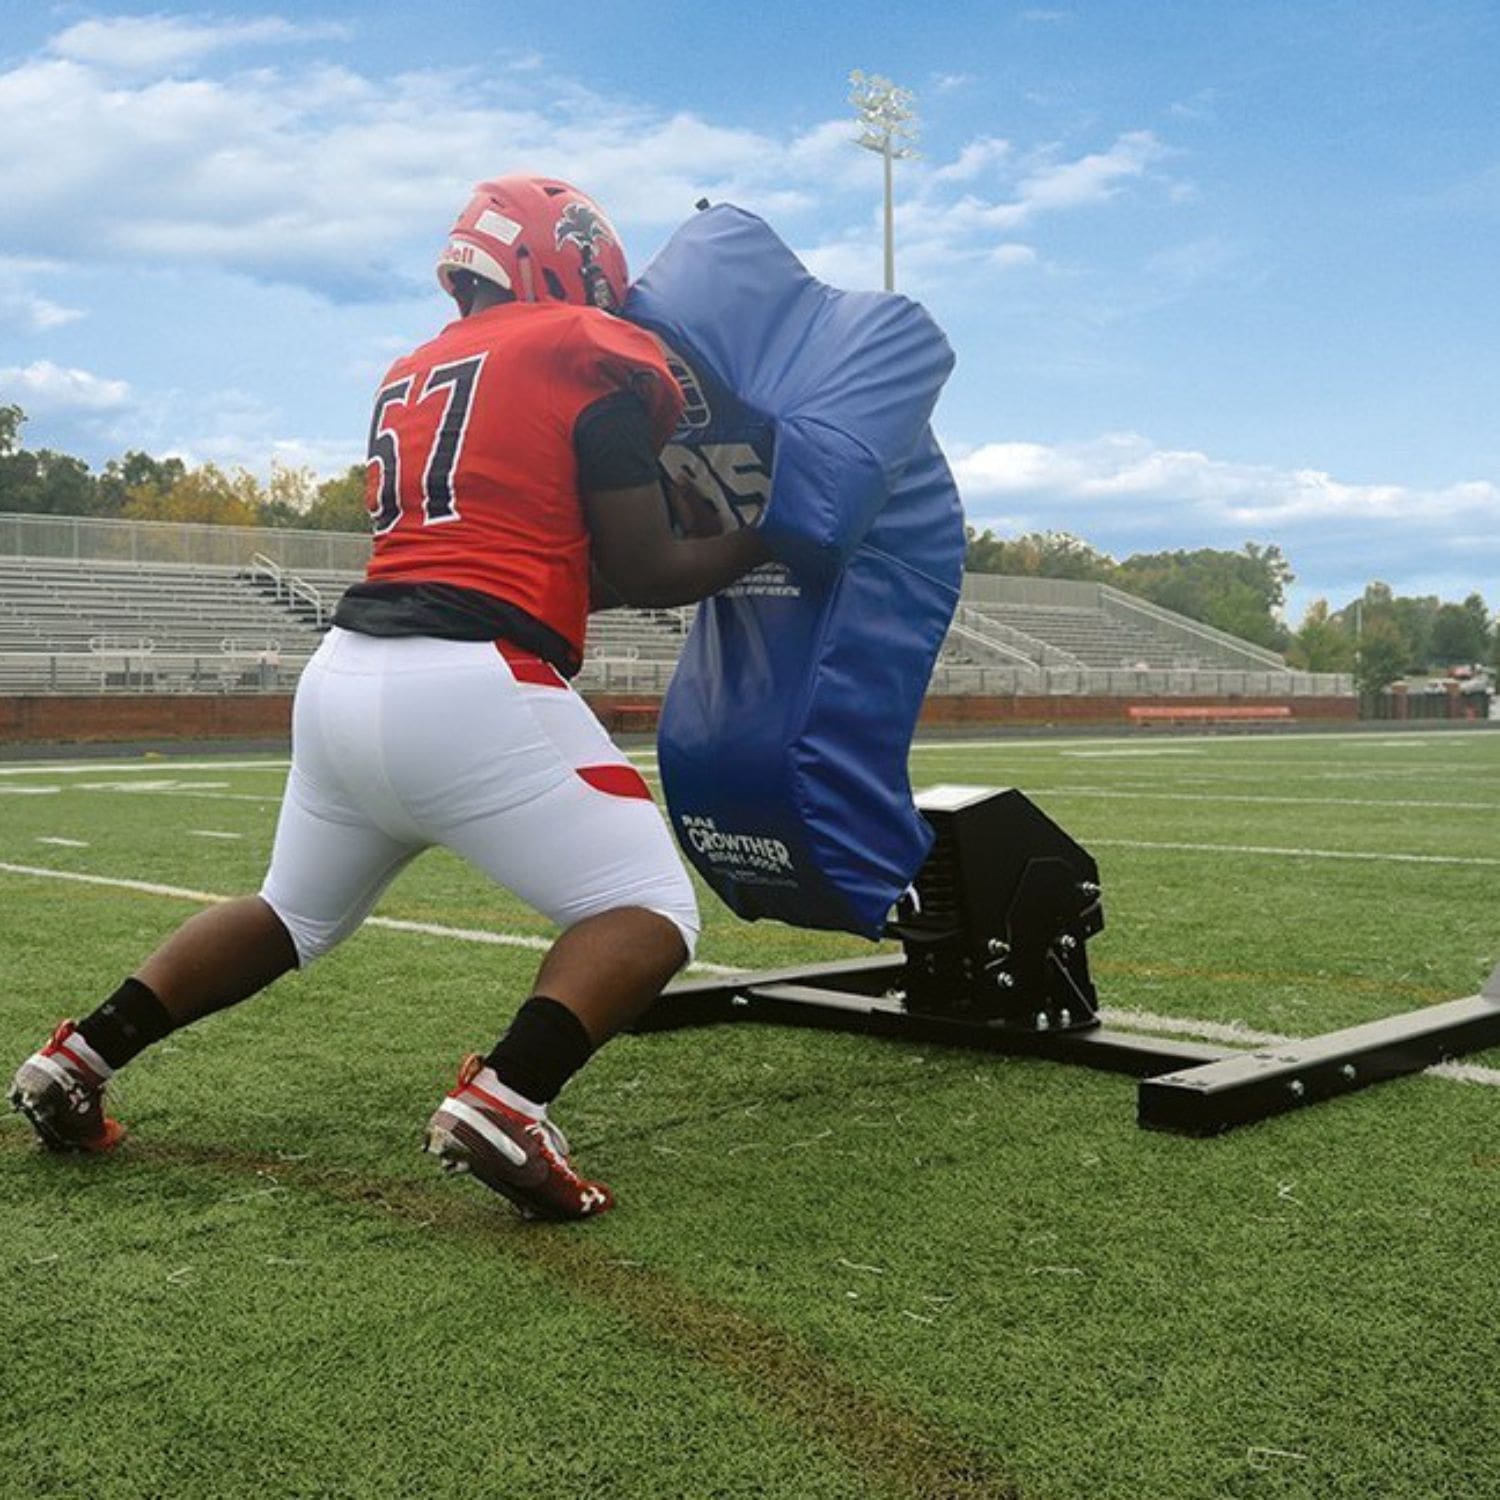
400,744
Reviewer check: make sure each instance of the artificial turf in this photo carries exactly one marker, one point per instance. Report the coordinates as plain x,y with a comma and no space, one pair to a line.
839,1267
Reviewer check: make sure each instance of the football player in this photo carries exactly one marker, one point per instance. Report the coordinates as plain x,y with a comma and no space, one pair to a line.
512,479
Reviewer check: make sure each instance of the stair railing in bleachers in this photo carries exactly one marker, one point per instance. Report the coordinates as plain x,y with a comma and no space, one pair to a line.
992,646
287,586
1033,649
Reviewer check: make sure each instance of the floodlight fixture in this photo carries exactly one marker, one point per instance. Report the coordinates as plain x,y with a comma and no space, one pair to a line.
888,126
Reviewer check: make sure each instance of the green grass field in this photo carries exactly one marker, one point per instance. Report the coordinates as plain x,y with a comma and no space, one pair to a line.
840,1267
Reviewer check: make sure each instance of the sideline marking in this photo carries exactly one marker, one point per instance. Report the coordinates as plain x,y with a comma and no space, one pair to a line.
1171,796
1355,854
391,924
1115,754
139,788
266,799
153,767
1417,739
1131,1020
1049,741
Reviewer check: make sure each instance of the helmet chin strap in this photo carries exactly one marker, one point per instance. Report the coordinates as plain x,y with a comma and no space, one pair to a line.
528,283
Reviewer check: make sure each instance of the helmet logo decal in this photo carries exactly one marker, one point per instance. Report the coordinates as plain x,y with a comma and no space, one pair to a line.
583,225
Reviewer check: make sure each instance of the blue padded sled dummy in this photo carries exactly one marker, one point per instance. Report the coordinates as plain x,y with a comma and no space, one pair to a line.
785,732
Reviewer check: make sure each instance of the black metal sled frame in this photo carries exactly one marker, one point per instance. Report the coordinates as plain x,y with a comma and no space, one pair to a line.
1188,1088
995,960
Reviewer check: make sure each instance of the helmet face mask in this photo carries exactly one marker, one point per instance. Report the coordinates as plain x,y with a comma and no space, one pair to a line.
539,239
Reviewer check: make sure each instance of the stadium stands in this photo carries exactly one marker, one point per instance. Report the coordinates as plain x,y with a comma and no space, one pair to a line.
89,606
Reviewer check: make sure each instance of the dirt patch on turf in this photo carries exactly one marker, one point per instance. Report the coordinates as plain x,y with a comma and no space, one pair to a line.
893,1449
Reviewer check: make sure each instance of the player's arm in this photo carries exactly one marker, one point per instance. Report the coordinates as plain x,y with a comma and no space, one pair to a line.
601,594
639,557
647,564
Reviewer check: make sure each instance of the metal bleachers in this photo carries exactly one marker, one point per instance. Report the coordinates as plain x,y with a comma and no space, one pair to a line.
1091,638
89,606
68,605
85,626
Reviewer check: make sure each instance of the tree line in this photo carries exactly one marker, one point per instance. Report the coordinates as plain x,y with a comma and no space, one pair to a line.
138,487
1379,636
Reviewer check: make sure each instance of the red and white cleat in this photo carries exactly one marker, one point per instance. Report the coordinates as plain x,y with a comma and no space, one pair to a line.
523,1158
63,1097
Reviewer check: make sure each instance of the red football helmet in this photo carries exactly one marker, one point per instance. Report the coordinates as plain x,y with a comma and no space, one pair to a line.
537,238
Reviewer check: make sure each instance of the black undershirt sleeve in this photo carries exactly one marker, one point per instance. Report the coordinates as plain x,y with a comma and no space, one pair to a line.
612,443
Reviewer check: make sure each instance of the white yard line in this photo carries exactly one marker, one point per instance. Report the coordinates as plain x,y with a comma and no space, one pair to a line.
1369,856
264,798
1167,795
62,843
145,887
1231,1034
213,833
153,767
1141,751
1415,739
1223,741
391,924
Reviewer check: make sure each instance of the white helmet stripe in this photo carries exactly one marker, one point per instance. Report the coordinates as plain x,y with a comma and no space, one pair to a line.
465,255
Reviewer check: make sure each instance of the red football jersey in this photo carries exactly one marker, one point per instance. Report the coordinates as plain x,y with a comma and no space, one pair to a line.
472,476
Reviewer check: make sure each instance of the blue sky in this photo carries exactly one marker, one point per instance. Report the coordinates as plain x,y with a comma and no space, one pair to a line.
1213,273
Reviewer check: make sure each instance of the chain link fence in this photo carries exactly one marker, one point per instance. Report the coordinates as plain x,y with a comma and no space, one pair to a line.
93,539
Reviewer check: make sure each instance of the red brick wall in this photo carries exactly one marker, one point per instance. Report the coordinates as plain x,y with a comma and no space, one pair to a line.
142,717
255,716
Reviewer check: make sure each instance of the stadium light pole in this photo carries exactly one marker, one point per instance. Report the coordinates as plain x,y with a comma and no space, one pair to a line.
887,126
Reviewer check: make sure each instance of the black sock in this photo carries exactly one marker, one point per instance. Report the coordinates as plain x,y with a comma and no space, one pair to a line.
545,1046
127,1023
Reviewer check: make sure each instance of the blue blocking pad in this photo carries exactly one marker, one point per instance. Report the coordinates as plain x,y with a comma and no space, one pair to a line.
785,733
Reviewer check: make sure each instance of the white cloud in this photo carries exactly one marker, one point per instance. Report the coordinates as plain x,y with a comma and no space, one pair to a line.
326,457
45,387
148,44
1091,178
1011,254
976,158
232,427
261,172
23,310
1199,107
1125,494
937,232
1128,467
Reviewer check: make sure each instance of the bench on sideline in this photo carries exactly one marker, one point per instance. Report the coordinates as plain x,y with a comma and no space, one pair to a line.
1209,713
